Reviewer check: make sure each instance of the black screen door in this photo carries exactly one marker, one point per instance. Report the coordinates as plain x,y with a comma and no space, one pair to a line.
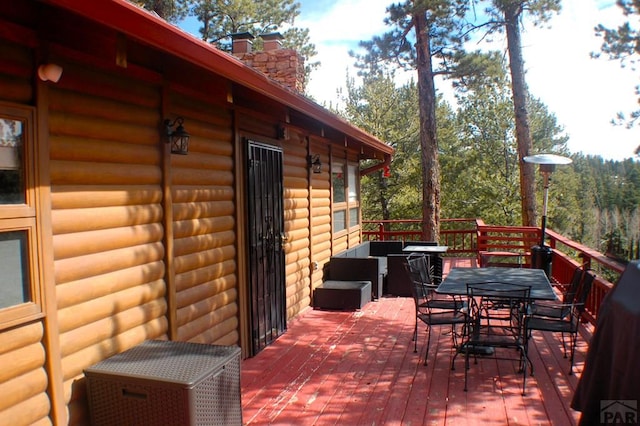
266,255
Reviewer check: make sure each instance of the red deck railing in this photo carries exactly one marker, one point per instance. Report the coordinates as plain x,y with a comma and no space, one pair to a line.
469,237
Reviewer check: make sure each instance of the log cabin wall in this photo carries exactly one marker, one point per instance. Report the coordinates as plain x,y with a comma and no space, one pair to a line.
320,201
23,370
137,243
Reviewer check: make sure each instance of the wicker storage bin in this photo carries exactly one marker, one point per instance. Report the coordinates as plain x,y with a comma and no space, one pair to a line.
167,383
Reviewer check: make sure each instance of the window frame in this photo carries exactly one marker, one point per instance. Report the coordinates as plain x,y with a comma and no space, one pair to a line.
345,207
23,217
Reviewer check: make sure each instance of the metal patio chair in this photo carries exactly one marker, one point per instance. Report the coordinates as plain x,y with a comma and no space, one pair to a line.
568,324
497,315
431,309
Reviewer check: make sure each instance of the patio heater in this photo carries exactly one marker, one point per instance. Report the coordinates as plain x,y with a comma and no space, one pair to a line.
541,255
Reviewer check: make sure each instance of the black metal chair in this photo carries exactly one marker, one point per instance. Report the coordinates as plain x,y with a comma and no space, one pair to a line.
497,314
567,324
555,310
430,309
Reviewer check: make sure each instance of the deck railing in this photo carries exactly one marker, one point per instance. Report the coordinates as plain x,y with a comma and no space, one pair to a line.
465,237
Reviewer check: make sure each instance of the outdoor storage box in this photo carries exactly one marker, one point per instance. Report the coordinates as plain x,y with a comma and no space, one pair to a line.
167,383
342,295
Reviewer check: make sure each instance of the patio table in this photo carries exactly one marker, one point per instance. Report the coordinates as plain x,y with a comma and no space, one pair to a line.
455,284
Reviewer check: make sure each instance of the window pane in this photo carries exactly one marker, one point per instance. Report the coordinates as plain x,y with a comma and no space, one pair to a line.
12,189
339,220
353,217
352,182
14,264
337,183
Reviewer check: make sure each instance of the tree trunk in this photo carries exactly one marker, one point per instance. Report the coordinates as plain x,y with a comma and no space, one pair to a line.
428,138
523,136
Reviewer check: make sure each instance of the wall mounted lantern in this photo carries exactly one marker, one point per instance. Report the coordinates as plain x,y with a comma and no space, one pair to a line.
314,163
178,138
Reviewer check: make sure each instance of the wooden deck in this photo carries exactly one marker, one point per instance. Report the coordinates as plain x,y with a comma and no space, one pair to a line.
359,368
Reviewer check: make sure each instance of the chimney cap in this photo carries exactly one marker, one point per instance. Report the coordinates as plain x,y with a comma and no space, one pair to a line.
242,36
272,36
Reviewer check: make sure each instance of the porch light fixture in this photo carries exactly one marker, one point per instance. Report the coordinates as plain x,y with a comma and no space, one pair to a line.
50,72
178,138
314,163
541,255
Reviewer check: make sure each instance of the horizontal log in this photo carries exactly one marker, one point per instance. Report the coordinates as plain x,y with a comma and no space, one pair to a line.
75,363
80,267
33,411
15,338
187,228
319,247
18,90
88,196
198,260
194,311
186,176
61,123
84,104
292,269
88,173
210,274
200,243
224,333
299,183
197,193
296,214
321,231
91,334
67,221
28,358
320,219
79,315
297,256
320,199
295,203
295,245
201,161
90,242
292,193
96,286
321,186
108,85
23,387
185,211
93,150
298,174
204,291
193,328
298,233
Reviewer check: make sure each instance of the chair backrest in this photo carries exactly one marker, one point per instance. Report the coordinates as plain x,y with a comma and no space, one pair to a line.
574,285
417,266
500,300
583,291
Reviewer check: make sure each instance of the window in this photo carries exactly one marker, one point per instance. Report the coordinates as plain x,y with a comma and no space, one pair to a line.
346,197
19,288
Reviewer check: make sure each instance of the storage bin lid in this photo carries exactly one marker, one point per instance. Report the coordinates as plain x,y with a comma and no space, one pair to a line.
175,362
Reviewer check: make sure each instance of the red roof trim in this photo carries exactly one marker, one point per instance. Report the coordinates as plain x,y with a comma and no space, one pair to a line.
140,24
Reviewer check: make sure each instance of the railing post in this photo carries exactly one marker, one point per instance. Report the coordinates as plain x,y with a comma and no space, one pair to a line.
380,231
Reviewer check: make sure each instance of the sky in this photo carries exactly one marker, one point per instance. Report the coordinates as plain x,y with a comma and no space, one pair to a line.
584,94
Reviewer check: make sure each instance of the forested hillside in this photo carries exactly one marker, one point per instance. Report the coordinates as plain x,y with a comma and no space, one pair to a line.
591,201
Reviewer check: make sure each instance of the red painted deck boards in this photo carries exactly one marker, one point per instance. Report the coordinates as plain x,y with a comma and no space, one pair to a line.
359,368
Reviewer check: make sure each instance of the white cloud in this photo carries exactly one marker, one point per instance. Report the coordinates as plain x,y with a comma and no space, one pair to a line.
583,93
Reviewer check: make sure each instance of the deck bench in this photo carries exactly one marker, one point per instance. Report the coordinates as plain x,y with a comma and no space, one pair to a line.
364,262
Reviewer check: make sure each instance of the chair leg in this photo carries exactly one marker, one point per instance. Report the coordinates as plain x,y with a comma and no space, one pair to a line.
415,337
574,340
426,352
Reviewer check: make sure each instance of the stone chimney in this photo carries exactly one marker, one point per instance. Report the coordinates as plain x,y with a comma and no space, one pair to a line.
286,66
